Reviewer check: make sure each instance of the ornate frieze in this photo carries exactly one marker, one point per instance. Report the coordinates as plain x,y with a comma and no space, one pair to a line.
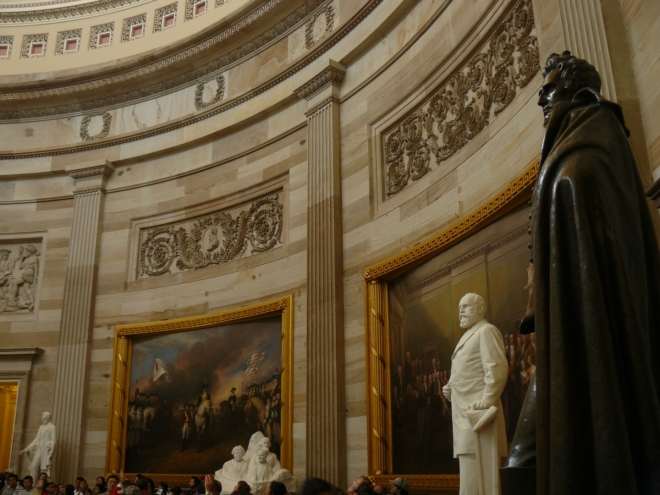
105,129
330,75
163,13
328,16
213,239
19,274
6,41
465,104
68,41
219,93
58,14
195,8
27,50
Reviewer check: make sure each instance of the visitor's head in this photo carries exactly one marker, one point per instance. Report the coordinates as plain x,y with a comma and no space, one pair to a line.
399,485
471,310
175,490
563,76
62,489
51,488
275,488
100,480
242,487
40,486
144,485
194,481
12,480
113,481
317,486
162,488
82,484
27,482
69,489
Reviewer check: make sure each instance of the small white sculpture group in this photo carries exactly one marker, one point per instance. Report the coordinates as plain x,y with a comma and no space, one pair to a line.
257,466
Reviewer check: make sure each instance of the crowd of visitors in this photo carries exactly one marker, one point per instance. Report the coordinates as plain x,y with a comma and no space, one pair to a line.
10,484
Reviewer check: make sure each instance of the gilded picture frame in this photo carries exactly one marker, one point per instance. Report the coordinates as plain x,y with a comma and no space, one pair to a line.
121,375
379,368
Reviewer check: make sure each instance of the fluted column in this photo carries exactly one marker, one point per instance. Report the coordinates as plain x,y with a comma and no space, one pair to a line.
326,412
77,314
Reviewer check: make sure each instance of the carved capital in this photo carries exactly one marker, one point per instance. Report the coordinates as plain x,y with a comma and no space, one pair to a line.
91,175
333,74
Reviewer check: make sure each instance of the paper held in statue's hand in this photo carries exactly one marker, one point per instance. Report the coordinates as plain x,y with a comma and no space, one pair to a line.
487,453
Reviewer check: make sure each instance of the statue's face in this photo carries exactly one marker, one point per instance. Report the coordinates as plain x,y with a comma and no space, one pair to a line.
238,455
554,90
45,418
469,312
261,456
265,443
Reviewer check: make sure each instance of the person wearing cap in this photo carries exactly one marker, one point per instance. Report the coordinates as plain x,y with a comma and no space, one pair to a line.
399,486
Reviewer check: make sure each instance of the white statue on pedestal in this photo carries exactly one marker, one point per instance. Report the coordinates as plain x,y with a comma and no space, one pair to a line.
258,467
478,375
42,448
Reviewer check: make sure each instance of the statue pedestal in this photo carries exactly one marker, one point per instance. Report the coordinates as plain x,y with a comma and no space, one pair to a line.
518,480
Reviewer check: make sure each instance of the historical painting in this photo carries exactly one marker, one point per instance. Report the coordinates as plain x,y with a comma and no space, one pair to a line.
424,331
412,328
193,394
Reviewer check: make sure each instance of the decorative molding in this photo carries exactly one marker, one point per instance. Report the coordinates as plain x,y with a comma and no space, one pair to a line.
464,105
29,39
218,3
214,239
281,29
58,14
9,41
128,25
322,104
219,93
84,126
457,231
143,93
329,75
96,172
63,37
329,14
161,13
100,29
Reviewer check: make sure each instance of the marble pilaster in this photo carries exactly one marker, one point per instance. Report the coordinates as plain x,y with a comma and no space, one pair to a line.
77,314
326,410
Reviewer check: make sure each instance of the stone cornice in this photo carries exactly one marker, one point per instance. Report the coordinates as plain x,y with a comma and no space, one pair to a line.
96,170
333,74
61,13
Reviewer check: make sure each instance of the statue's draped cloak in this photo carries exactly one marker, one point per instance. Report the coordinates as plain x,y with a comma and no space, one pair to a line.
597,309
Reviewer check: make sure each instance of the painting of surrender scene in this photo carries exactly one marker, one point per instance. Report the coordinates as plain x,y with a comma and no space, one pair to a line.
196,394
424,331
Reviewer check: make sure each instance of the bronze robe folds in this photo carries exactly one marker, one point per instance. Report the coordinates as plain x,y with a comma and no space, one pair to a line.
597,309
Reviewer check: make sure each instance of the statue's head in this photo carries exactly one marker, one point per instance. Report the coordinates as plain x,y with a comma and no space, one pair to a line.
238,452
45,418
264,443
471,309
261,455
563,76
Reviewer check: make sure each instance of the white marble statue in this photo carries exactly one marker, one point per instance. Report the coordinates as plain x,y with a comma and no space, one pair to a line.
478,376
42,448
258,467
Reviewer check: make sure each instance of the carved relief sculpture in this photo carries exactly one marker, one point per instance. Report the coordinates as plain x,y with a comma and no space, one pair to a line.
19,270
466,104
213,239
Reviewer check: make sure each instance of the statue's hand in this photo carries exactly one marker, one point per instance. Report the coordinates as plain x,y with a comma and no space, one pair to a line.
480,405
446,391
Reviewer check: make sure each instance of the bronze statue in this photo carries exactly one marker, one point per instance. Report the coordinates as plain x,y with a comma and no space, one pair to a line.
591,422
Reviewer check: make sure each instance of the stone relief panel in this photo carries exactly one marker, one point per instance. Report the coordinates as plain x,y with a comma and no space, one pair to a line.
133,27
464,105
102,120
165,17
19,275
34,45
213,239
318,27
215,88
68,41
101,35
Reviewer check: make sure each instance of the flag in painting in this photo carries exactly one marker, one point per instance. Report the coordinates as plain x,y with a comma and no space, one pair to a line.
159,369
250,364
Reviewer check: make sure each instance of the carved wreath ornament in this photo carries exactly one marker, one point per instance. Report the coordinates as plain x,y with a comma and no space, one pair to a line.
212,240
465,105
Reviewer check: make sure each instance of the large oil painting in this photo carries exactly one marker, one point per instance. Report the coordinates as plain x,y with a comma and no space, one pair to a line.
194,394
424,330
